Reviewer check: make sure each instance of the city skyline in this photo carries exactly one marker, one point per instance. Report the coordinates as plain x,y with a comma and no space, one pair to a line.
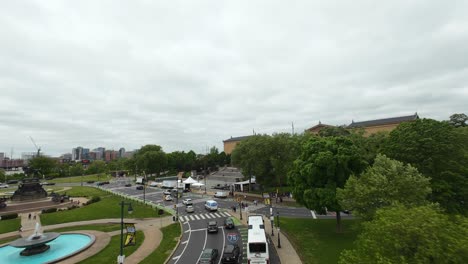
188,76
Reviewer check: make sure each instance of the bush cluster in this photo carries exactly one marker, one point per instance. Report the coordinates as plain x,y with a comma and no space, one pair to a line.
9,216
49,210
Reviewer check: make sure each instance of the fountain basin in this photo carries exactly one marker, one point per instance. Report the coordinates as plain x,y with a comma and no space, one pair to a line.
64,246
34,244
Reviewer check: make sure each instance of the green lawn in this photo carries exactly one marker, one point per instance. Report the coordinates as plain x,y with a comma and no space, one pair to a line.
108,207
171,234
97,227
9,225
85,178
316,240
111,251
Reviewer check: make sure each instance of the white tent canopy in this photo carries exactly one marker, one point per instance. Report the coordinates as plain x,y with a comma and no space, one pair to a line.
190,180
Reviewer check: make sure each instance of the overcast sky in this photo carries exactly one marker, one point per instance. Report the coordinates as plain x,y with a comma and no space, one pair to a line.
189,74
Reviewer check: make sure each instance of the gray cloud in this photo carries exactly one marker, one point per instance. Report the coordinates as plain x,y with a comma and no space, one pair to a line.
187,75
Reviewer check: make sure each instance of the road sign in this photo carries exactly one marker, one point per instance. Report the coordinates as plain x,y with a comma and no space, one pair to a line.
233,237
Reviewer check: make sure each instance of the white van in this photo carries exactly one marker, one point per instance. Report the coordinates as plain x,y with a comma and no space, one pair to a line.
211,205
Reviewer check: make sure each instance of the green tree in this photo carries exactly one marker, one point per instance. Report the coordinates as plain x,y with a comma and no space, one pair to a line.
385,183
77,169
97,166
438,151
410,235
323,166
334,131
152,162
458,120
43,165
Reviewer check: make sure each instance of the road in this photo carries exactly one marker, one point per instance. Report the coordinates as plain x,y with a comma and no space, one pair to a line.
195,237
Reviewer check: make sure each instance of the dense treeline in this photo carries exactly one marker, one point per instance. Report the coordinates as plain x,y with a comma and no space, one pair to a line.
409,186
149,159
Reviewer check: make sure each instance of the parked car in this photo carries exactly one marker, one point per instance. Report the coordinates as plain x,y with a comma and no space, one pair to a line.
167,192
12,181
140,187
128,185
167,198
212,227
189,209
220,195
231,254
4,185
187,201
228,223
209,255
90,182
47,183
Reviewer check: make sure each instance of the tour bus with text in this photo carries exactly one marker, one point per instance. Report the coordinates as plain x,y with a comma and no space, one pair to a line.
257,244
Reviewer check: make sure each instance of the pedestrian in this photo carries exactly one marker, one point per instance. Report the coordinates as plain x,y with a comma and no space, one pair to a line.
20,229
34,216
29,216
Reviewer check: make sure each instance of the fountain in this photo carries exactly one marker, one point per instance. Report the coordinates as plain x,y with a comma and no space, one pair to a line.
35,243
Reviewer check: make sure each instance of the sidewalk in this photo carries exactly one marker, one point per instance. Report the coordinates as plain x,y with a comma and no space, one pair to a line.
286,253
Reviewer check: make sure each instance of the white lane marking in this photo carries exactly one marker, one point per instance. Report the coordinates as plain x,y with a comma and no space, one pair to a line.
196,216
195,230
217,215
189,234
208,216
313,214
204,245
224,243
202,217
174,258
182,218
184,242
226,214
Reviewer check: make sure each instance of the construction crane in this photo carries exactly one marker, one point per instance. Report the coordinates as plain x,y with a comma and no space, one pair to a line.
38,148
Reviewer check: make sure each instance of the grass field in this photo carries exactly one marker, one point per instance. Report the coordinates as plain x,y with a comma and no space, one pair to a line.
111,251
85,178
9,225
170,233
316,240
108,207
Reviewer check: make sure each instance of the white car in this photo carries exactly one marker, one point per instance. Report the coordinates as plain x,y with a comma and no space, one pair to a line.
4,186
220,195
187,201
167,198
167,192
189,209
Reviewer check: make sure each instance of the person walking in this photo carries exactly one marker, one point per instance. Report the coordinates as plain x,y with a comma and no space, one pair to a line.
29,216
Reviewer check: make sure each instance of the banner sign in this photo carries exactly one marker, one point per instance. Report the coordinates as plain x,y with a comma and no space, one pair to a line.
130,240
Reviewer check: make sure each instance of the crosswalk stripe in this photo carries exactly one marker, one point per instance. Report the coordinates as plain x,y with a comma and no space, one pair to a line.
202,216
217,215
196,216
182,218
208,216
191,217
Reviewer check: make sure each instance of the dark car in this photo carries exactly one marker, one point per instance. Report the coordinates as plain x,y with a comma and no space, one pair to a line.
212,227
228,223
139,187
209,255
128,185
12,181
231,254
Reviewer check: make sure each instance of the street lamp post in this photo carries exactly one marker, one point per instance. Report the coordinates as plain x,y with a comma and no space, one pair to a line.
240,210
272,218
278,220
121,257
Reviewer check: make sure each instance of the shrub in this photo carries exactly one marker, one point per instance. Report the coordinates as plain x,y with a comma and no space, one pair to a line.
49,210
95,199
9,216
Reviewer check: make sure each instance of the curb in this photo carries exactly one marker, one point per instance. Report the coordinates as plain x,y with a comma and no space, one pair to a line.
177,245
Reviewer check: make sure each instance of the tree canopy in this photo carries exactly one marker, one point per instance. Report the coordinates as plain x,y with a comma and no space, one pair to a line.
459,120
436,149
410,235
385,183
324,165
42,165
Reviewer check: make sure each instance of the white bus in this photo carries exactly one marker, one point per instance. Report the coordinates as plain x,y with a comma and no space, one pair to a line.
257,244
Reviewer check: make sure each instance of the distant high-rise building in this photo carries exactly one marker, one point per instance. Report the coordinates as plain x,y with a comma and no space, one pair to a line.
85,154
99,153
2,155
121,152
111,155
77,153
